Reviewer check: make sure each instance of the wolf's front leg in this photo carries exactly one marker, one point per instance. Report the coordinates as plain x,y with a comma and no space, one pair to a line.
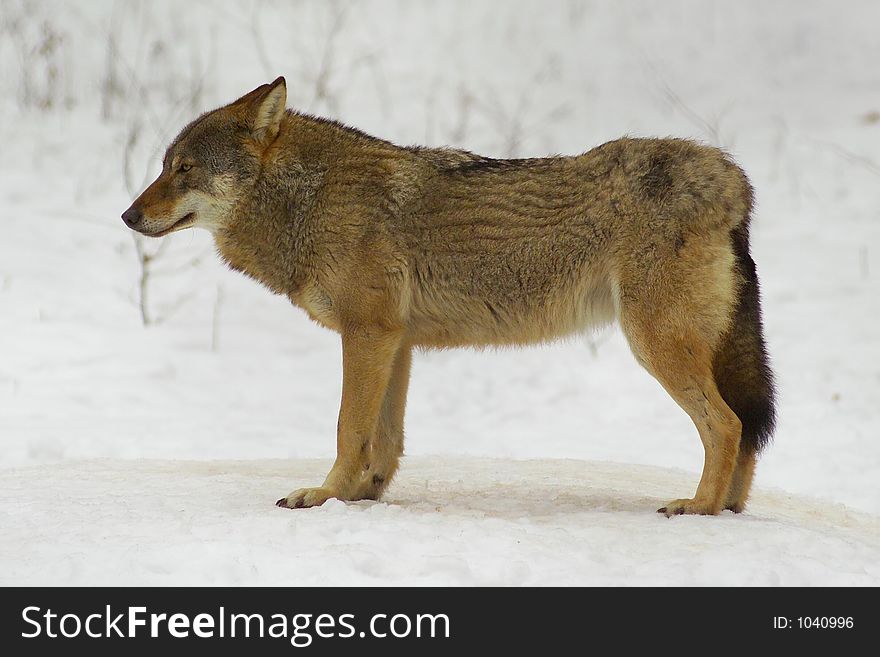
384,455
368,360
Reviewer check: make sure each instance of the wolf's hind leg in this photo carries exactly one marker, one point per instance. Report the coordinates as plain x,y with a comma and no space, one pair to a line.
683,366
367,363
738,494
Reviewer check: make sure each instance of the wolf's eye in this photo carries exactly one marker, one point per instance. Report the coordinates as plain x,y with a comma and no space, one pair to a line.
183,168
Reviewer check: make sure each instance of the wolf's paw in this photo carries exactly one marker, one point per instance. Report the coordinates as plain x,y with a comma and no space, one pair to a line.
680,507
306,497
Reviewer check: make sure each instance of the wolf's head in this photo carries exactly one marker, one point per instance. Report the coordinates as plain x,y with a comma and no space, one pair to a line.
204,166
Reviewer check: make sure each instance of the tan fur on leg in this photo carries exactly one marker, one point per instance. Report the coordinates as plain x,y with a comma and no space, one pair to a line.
381,466
688,380
742,482
367,360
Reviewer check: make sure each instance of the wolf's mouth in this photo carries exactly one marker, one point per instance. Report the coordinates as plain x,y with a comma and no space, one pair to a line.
185,222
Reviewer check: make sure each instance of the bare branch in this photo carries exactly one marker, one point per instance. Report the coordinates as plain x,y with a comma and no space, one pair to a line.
215,320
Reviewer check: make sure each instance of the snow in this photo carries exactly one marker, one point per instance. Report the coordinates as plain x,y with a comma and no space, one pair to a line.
153,455
447,521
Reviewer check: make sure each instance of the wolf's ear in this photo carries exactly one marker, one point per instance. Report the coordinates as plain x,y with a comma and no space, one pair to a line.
264,108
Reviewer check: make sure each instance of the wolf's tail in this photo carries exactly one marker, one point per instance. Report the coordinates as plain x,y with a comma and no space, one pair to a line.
741,368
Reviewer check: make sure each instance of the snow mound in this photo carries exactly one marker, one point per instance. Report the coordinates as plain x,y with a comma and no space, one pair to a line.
445,521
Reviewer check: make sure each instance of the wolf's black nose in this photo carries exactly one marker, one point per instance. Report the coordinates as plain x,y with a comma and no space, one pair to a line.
132,217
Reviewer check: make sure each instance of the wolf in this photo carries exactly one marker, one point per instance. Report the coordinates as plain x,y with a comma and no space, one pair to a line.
398,248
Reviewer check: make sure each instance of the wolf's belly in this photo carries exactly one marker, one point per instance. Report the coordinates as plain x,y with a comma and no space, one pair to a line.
452,313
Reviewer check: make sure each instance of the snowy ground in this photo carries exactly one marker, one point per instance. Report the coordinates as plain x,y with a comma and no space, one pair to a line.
153,455
446,521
